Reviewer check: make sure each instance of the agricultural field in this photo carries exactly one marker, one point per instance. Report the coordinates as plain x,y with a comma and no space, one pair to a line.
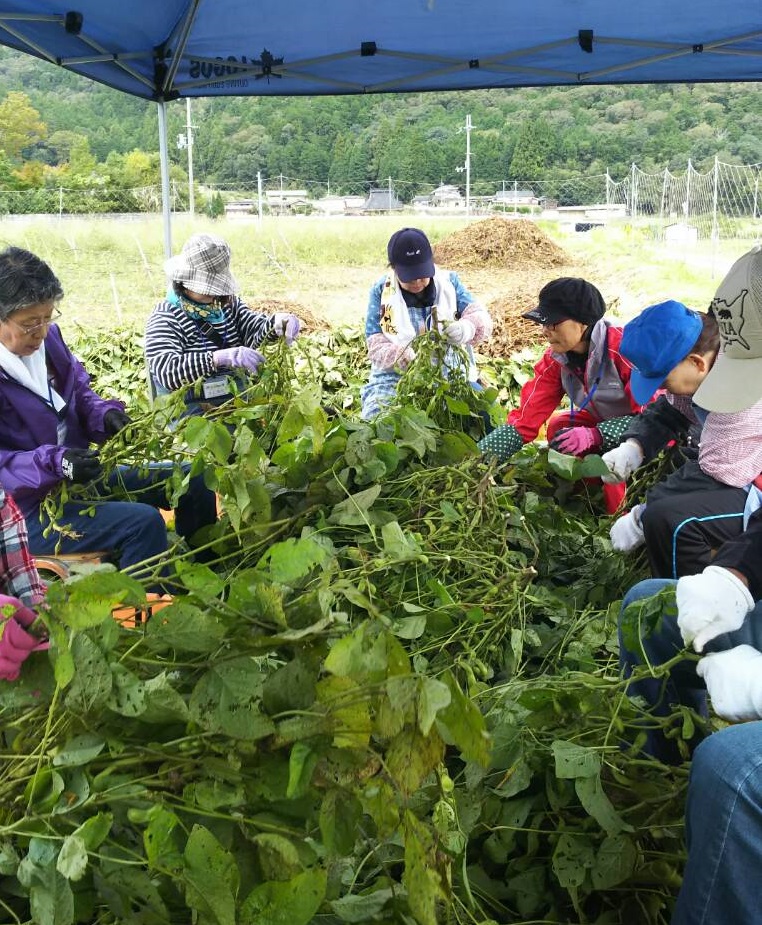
112,269
393,697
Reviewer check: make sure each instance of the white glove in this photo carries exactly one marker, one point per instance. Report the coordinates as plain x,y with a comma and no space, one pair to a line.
711,603
733,679
623,460
627,531
287,326
460,332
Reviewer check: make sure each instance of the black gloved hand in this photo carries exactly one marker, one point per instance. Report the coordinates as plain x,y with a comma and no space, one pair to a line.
114,421
81,465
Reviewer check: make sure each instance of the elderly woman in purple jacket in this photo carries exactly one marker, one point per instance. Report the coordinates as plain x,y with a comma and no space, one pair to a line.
49,417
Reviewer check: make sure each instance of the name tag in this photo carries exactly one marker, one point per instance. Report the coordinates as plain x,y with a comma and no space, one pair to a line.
216,387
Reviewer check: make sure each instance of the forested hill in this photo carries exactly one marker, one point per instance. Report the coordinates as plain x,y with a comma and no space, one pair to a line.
413,138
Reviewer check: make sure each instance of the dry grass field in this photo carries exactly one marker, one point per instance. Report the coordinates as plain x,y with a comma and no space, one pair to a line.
112,268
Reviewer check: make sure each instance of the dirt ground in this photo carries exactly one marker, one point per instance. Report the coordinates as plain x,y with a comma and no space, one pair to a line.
503,262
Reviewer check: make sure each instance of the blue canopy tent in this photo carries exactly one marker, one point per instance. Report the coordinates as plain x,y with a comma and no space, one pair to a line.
166,49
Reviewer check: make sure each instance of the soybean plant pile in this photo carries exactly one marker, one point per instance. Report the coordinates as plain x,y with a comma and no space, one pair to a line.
392,698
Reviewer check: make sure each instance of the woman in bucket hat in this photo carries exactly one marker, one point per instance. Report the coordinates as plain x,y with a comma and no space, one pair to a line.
583,363
49,417
697,508
203,331
401,306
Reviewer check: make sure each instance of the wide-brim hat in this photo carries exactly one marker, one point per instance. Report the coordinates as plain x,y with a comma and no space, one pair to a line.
655,342
735,381
203,266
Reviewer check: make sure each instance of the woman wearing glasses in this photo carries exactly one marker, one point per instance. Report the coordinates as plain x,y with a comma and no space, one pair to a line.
202,335
49,417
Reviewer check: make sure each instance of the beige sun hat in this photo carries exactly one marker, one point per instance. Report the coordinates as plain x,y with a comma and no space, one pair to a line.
203,266
735,381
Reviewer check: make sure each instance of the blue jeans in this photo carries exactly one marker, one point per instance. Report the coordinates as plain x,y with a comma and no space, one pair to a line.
134,530
683,686
724,831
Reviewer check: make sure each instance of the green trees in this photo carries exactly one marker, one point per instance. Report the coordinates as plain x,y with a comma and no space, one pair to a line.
66,131
20,125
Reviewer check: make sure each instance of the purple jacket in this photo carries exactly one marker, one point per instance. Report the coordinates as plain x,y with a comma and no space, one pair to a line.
30,454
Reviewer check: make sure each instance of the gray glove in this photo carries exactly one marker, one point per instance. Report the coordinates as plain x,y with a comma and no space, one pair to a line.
239,358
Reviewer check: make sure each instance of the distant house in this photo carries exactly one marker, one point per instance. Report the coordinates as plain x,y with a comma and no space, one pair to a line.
286,200
381,200
240,208
339,205
447,196
421,203
515,197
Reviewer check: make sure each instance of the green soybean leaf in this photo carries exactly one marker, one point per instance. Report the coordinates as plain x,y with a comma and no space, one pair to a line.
614,862
227,700
211,878
461,723
593,797
574,855
78,750
575,760
340,814
292,560
353,511
184,627
291,902
72,858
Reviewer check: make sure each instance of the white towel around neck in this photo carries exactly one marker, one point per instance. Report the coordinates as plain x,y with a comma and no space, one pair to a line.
32,373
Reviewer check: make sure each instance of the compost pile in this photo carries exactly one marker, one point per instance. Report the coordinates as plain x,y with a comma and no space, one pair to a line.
309,320
531,259
499,242
394,697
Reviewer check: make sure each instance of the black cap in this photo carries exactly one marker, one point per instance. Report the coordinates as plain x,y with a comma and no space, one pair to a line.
410,254
568,297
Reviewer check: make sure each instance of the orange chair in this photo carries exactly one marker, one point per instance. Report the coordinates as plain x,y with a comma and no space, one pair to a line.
61,567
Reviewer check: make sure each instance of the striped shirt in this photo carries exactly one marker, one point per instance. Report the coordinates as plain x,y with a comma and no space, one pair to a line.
18,573
177,350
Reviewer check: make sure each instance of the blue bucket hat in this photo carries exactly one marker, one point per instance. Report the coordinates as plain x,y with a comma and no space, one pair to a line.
655,342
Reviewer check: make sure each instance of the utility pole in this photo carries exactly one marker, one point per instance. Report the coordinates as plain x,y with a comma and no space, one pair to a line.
390,193
467,166
186,141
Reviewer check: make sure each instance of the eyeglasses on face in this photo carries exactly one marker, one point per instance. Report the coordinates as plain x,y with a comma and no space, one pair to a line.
33,328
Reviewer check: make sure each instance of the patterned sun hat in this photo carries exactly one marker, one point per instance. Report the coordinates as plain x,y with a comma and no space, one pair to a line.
203,266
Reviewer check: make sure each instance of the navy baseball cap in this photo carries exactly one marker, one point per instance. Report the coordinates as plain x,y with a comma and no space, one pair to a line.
409,252
655,342
568,297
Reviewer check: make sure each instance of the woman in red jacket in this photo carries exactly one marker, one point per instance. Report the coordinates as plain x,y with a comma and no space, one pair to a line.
583,364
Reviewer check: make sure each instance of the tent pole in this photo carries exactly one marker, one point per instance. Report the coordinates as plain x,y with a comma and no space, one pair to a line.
164,161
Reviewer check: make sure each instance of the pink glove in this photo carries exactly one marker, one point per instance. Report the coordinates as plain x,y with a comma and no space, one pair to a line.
239,358
15,642
577,441
286,326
